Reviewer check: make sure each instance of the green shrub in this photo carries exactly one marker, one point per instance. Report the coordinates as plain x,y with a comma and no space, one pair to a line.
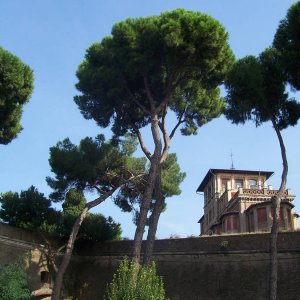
13,281
224,245
132,282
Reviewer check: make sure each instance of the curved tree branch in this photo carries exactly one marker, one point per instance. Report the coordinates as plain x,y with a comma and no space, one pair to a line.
70,244
167,140
276,215
180,121
176,127
141,141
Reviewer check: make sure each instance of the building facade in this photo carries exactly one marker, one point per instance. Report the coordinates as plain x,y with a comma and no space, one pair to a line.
240,201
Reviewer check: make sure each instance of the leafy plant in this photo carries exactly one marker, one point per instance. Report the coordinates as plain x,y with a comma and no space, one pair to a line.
13,281
132,282
224,245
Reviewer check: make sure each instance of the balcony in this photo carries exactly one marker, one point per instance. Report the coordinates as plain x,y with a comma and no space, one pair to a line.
230,197
263,194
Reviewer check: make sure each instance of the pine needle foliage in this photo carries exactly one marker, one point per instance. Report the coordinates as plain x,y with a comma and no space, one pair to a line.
134,282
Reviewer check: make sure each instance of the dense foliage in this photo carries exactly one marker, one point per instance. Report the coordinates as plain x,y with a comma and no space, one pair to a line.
32,210
13,281
132,282
93,165
287,41
16,85
95,226
147,67
178,58
129,197
256,91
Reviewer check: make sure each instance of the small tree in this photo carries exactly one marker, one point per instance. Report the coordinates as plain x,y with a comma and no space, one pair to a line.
133,282
129,80
94,165
256,91
16,86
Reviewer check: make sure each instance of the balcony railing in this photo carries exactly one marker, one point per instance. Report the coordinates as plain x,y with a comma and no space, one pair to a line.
262,192
229,197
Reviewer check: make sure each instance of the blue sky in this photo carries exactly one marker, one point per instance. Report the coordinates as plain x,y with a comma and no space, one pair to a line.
52,35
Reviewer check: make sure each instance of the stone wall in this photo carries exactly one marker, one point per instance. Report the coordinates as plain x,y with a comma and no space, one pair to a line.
287,241
197,277
206,268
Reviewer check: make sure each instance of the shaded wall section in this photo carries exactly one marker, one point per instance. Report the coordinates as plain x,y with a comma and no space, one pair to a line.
206,268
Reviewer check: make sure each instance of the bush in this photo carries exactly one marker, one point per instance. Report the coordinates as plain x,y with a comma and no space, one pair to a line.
13,282
224,245
132,282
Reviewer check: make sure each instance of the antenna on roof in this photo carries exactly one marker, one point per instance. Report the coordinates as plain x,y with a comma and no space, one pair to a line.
231,156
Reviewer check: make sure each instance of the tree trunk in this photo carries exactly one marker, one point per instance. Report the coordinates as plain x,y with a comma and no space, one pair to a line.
70,245
276,216
67,255
145,205
153,221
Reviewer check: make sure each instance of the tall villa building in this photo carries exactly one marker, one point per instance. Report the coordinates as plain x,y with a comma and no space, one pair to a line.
240,201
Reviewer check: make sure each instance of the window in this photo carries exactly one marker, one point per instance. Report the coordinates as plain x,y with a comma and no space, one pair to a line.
262,223
239,183
261,214
209,192
251,222
228,224
224,183
252,183
289,216
235,223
